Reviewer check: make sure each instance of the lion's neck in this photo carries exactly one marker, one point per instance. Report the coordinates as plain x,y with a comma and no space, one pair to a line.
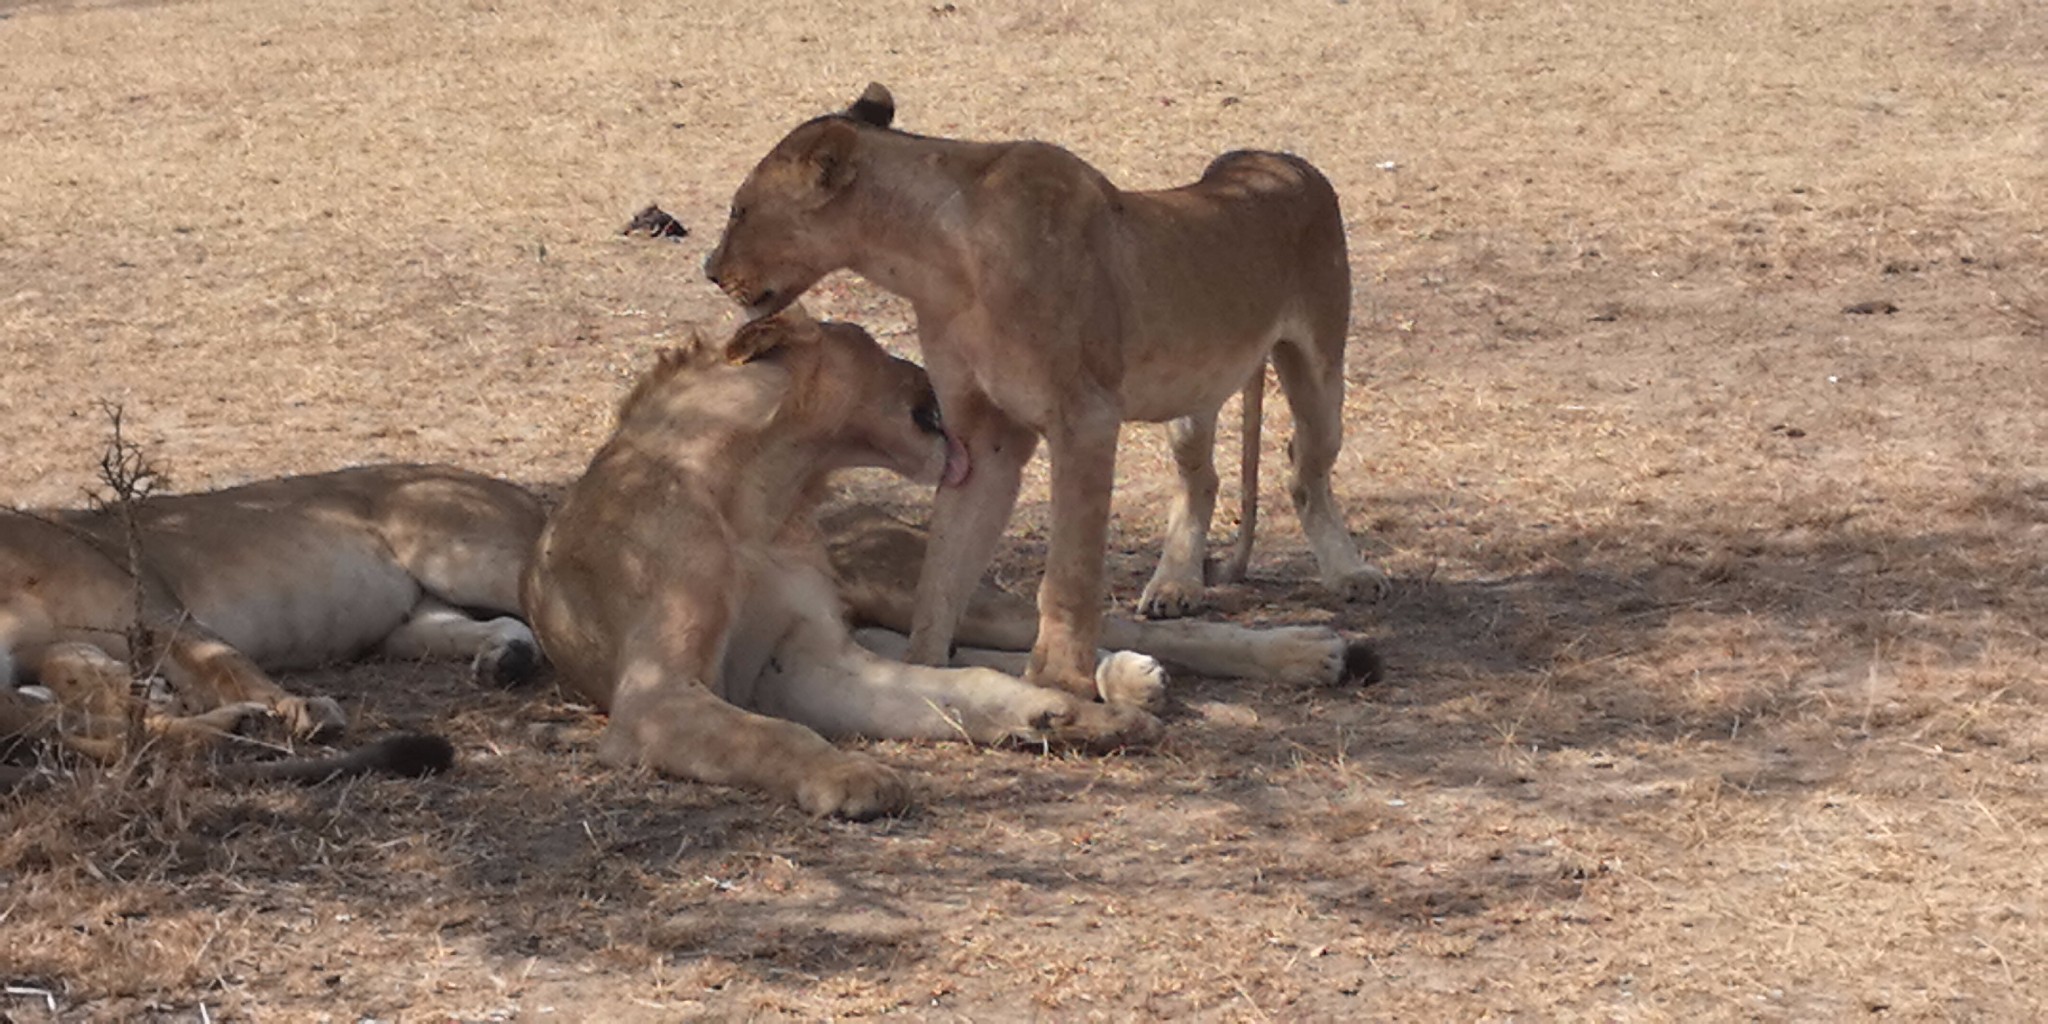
740,458
782,485
912,210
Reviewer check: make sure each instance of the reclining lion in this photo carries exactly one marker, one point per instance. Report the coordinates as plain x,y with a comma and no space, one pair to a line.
683,584
1051,303
282,574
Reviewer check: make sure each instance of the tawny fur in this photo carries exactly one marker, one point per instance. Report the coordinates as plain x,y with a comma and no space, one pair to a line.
89,710
682,587
280,574
1052,304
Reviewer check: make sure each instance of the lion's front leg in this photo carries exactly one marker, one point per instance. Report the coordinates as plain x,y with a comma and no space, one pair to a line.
676,725
845,688
968,519
1083,451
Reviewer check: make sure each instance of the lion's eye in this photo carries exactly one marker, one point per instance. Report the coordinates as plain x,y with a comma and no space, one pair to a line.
738,214
926,416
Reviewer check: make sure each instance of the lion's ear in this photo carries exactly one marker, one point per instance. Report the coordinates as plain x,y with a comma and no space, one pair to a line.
831,156
762,338
875,106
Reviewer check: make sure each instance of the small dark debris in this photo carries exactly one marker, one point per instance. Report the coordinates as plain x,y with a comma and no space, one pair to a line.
1868,308
654,222
1605,315
1788,431
1231,101
941,10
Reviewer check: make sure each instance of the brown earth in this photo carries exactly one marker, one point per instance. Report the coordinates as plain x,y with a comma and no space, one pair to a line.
1715,683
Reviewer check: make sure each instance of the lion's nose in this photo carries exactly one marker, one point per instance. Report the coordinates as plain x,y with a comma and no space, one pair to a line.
711,269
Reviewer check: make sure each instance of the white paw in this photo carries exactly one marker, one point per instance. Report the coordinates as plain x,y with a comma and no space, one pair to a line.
1132,680
506,665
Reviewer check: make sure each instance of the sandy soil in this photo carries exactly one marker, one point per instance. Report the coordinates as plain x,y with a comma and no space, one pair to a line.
1715,652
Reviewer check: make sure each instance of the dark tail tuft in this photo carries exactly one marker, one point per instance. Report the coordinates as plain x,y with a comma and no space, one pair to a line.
407,754
1362,664
413,754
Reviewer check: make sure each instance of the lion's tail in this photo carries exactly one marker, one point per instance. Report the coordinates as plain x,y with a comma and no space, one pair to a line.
1253,404
407,754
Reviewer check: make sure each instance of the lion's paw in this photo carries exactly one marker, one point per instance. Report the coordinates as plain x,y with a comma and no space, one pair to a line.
1302,655
1111,726
1317,656
1087,725
1365,583
505,666
241,715
315,718
1132,680
1171,598
853,787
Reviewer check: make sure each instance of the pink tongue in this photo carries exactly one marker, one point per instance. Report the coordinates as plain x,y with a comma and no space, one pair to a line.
957,463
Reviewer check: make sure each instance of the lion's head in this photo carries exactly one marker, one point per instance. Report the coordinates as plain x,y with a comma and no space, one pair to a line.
826,387
784,231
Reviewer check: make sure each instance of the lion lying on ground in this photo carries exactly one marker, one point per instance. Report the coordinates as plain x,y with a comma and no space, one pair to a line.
683,585
281,574
1051,303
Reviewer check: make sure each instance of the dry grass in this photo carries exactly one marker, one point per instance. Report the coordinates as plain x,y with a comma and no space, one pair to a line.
1715,657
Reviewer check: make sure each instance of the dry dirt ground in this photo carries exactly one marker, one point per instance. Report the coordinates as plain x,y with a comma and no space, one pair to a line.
1715,656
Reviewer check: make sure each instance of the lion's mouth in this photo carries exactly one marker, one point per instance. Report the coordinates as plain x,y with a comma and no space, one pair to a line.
767,302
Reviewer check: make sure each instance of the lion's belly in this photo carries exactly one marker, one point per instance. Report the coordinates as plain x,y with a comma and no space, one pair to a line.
1191,373
1158,397
333,601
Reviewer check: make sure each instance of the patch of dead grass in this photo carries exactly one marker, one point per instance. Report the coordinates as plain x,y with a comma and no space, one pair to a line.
1713,682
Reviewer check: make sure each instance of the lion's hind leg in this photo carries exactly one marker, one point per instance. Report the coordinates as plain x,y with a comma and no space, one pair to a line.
501,651
1313,381
1295,655
1177,585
